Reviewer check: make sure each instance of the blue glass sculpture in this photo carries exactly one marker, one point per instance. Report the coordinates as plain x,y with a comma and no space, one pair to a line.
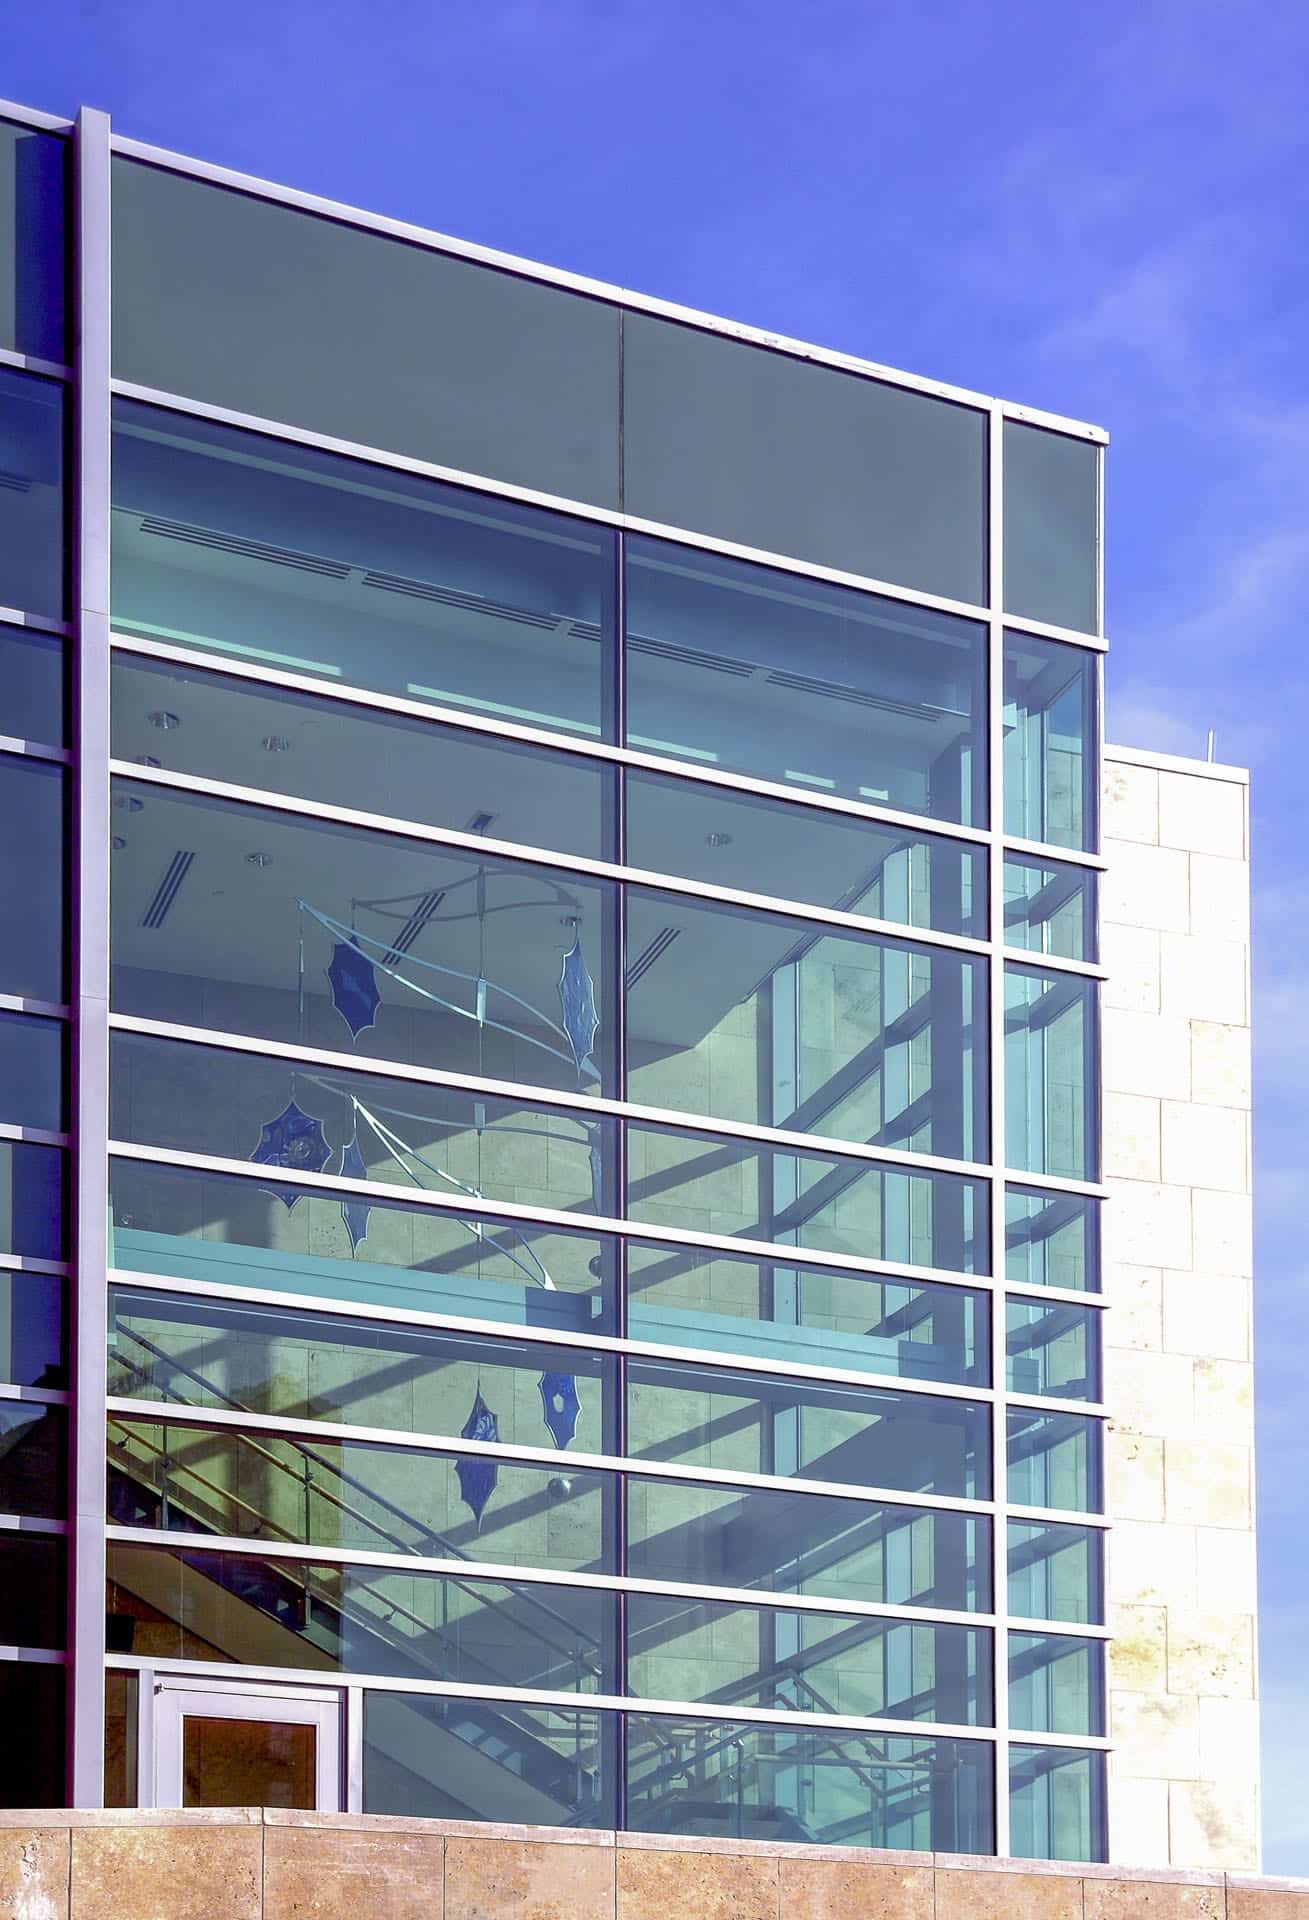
577,997
353,981
562,1406
294,1140
354,1212
477,1476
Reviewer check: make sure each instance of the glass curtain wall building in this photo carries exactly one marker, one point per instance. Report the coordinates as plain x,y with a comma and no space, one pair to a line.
549,1177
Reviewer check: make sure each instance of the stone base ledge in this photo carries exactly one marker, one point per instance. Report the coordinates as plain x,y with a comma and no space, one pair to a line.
250,1863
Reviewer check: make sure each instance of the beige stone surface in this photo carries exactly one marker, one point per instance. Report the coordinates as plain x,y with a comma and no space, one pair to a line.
1138,1652
1147,1053
1131,955
166,1872
854,1890
323,1873
1211,1654
1137,1320
1220,1064
1205,1146
34,1873
1207,1482
1156,1735
1147,1225
1207,1314
1140,1817
1134,1475
1220,896
1132,1136
1152,1900
964,1893
526,1880
656,1885
1266,1903
1202,813
1130,803
1147,887
1201,978
1214,1819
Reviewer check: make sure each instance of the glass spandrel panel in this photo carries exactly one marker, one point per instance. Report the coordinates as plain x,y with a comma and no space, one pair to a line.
1049,742
32,1608
1056,1683
761,672
1051,526
730,1780
306,561
284,742
32,1769
32,960
247,1763
854,1436
1056,1572
817,1544
32,1072
33,1200
33,1447
832,860
1051,1118
32,559
749,1657
292,929
811,1316
1056,1460
1049,908
1052,1240
35,168
784,454
273,311
347,1248
742,1015
32,1330
32,704
1053,1350
459,1759
1056,1804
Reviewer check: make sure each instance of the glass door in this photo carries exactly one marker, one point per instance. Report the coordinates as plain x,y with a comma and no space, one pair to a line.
219,1745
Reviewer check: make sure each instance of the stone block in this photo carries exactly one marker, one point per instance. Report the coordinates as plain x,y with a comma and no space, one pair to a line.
1152,1900
1224,1398
1226,1572
1136,1295
1153,1392
1132,1137
1201,978
1214,1822
1202,814
1131,955
1152,1565
1129,803
853,1890
1156,1735
973,1893
1134,1473
1138,1819
1138,1652
34,1873
166,1872
1147,1225
1256,1902
1223,1228
1147,1053
1206,1146
335,1873
495,1879
1220,897
654,1883
1229,1740
1146,887
1220,1064
1207,1314
1211,1654
1207,1482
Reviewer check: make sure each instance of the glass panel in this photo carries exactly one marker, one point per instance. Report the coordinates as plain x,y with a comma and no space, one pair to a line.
32,1448
247,1608
716,1651
748,1016
332,1493
390,1132
810,1316
33,1200
1049,908
317,749
852,1207
122,1734
1051,526
502,1760
32,686
300,559
797,458
889,708
31,1591
1055,1460
32,1768
1049,742
32,872
1056,1683
1056,1572
1053,1350
228,1231
248,1763
205,1354
730,1780
799,853
812,1543
32,1330
1052,1240
32,494
32,1072
245,919
855,1436
1050,1093
1056,1804
34,179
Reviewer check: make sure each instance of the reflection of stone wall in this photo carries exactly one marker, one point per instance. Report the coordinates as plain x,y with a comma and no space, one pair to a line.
1178,1277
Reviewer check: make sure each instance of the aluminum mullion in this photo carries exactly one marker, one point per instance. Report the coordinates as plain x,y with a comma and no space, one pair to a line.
37,1136
23,749
28,1263
32,363
22,1003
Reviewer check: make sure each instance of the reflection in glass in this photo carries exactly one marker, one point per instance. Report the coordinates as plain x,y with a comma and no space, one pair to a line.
32,571
32,674
32,1449
1052,1240
1049,742
34,179
1053,1350
32,1089
855,1436
502,1760
1050,1092
759,672
811,1543
32,959
749,1016
1055,1460
1056,1572
1051,526
247,1763
1049,908
32,1329
32,1769
31,1591
33,1200
1056,1683
851,1664
831,860
729,1780
122,1738
1056,1804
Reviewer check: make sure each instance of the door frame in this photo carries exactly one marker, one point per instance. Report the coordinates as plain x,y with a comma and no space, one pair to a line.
173,1697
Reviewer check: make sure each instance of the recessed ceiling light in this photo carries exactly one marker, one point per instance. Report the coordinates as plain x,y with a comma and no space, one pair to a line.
147,760
259,859
480,821
275,743
128,803
118,843
163,720
718,840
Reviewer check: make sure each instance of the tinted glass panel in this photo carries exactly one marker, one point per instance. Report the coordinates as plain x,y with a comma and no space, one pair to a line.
32,1769
460,1760
1051,526
32,686
1056,1804
1049,908
1056,1683
811,1543
1052,1239
1050,1094
1055,1460
271,311
32,1330
229,916
239,544
1056,1572
33,1200
235,1232
34,172
709,1650
292,743
32,494
1053,1350
31,1591
32,873
799,853
734,1781
31,1072
749,1016
797,458
855,1436
767,673
1049,742
32,1447
851,1207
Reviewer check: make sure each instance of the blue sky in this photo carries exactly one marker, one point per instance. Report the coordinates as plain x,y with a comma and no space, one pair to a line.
1100,210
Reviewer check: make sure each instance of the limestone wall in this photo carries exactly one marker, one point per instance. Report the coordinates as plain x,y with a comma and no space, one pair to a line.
1176,917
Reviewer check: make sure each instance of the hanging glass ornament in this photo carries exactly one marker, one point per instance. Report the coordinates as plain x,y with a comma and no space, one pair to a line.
354,1212
353,981
294,1140
561,1404
577,998
478,1475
